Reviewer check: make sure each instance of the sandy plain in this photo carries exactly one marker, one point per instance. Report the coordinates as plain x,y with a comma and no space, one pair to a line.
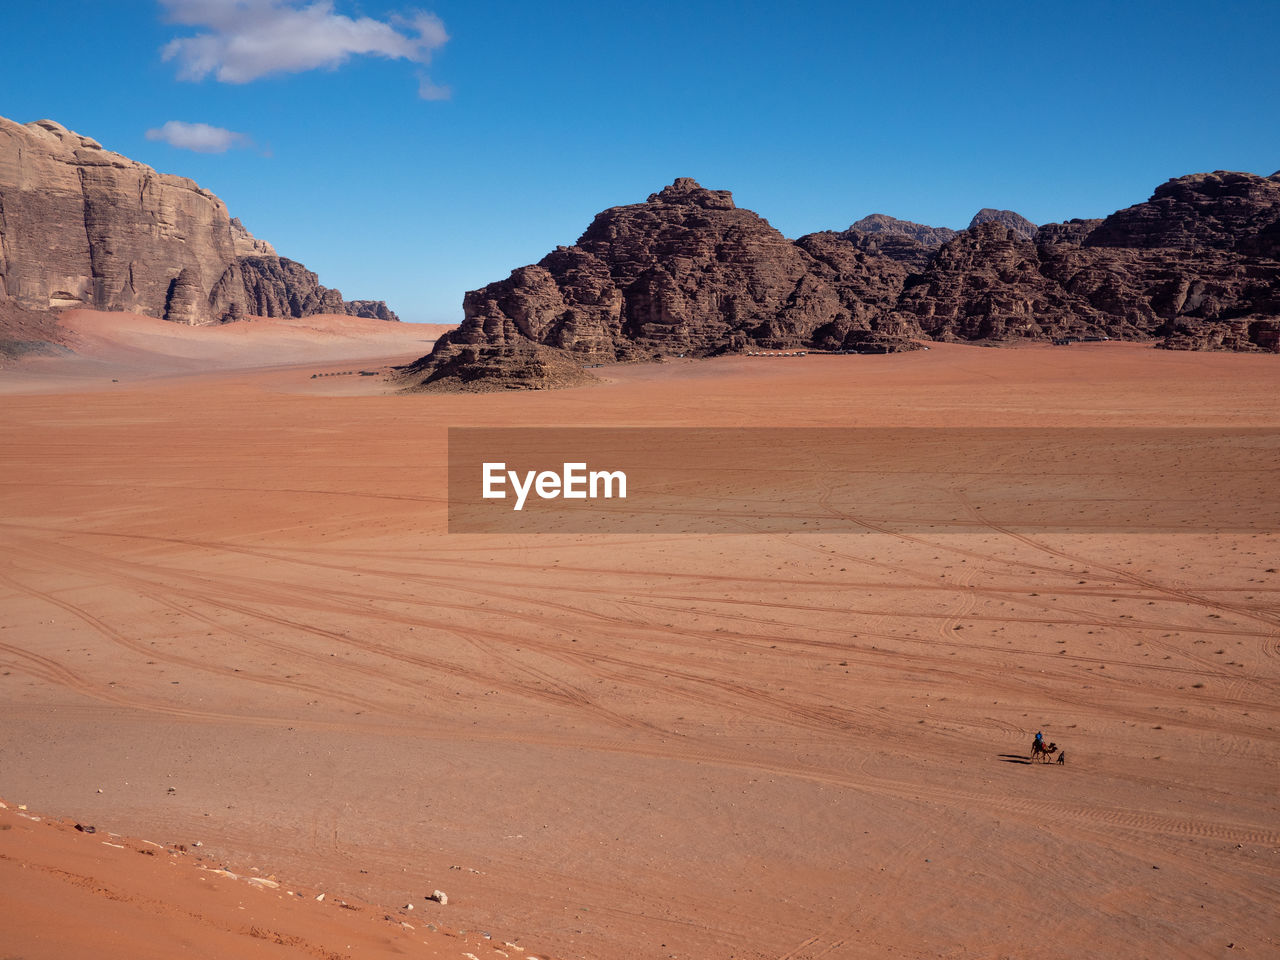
233,614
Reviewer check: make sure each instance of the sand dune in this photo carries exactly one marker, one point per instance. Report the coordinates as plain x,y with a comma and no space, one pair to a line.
240,587
122,346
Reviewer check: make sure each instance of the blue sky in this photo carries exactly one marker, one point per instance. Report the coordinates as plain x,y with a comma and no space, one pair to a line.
413,153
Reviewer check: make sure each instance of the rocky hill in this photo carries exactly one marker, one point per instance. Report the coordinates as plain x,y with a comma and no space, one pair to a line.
82,226
685,272
688,273
1235,212
1014,222
881,224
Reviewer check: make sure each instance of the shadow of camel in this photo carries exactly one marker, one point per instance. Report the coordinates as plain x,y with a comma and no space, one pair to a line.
1015,758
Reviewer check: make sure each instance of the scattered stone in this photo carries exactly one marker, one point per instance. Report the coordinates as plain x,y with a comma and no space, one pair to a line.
439,897
86,829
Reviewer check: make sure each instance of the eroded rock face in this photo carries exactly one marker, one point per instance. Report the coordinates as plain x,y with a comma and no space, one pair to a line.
830,246
1236,212
371,309
1016,223
82,226
879,223
687,272
518,365
1073,231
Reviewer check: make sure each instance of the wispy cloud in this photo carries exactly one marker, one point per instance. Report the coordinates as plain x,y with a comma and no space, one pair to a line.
200,137
430,91
247,39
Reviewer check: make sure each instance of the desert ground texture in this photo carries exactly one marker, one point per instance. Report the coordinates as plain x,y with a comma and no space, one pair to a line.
231,615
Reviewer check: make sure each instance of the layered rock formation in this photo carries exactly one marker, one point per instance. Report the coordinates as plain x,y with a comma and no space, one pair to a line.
82,226
881,224
1073,231
687,272
1236,212
1014,222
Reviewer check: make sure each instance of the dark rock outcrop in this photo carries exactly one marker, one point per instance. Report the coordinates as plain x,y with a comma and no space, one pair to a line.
1015,222
483,368
82,226
987,284
370,309
879,223
687,272
279,287
1073,231
990,284
900,247
1236,212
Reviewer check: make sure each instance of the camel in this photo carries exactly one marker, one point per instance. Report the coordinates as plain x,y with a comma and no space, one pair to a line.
1042,754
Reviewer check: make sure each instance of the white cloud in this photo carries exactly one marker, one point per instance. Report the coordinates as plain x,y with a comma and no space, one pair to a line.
430,91
199,137
248,39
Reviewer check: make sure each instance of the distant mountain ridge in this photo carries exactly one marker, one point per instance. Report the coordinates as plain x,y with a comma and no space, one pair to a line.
919,232
1007,218
687,272
82,226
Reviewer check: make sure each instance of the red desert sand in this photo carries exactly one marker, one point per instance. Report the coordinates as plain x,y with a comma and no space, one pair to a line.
233,615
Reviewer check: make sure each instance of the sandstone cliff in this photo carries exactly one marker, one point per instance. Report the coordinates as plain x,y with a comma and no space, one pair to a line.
82,226
687,272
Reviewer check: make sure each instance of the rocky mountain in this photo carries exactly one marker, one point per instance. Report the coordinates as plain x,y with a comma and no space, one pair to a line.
881,224
82,226
1191,267
1236,212
1014,222
900,247
687,272
1073,231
